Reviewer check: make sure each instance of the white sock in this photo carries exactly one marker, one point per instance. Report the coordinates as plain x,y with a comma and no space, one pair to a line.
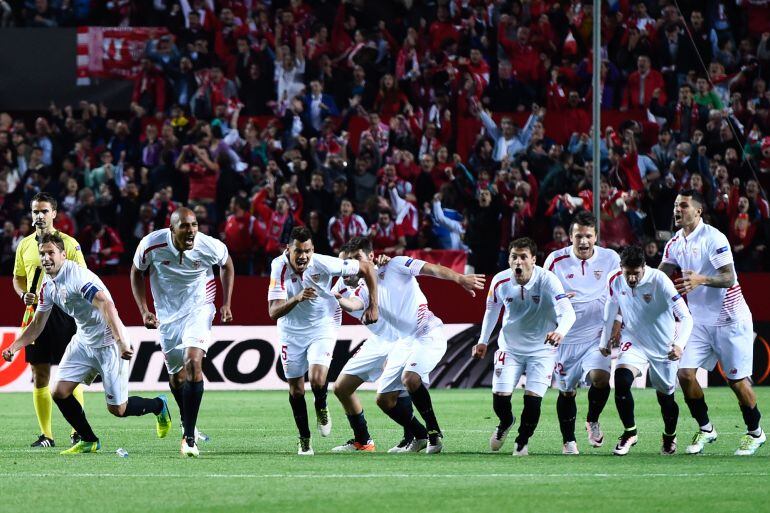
756,433
707,427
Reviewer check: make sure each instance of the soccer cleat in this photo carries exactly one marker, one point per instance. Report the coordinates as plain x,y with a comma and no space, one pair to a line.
625,442
520,449
403,446
417,445
498,437
435,445
324,422
749,444
43,442
668,447
595,435
570,448
200,436
74,438
353,446
189,448
700,440
304,448
163,419
83,447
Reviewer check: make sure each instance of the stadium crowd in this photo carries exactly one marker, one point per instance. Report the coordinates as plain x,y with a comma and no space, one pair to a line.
449,125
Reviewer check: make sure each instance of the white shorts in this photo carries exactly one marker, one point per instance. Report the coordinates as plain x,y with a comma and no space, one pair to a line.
81,364
662,370
575,361
732,346
297,355
192,330
369,361
509,367
419,355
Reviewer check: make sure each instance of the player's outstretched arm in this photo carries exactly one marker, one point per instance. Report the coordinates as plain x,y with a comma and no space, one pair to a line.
227,276
470,282
29,335
139,290
110,314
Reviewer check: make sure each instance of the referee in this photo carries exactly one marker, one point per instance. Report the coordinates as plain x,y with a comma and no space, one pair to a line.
49,347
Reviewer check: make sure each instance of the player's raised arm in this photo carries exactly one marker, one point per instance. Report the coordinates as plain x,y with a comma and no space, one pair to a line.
491,315
227,275
29,335
106,307
470,282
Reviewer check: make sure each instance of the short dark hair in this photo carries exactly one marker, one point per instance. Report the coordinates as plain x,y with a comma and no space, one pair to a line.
242,203
357,243
44,197
695,195
523,243
300,234
583,218
632,257
53,238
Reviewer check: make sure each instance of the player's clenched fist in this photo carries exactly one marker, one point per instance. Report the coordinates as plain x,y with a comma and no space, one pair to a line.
479,351
306,294
8,355
149,320
553,338
226,313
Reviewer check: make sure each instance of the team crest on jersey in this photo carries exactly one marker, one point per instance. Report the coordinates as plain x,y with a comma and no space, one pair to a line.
381,275
294,280
498,371
166,262
570,276
695,251
508,299
536,299
315,277
598,274
733,371
647,298
196,264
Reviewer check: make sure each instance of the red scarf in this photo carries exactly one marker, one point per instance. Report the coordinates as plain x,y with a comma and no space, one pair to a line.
677,125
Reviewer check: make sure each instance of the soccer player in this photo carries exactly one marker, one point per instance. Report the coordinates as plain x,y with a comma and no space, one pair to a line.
650,306
537,317
180,260
51,343
300,298
723,328
408,342
582,269
99,347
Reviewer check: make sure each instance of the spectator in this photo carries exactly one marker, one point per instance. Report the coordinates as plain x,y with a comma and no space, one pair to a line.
102,248
344,226
507,141
241,235
386,236
645,87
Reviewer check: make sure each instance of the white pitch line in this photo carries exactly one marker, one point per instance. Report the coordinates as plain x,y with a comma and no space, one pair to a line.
385,476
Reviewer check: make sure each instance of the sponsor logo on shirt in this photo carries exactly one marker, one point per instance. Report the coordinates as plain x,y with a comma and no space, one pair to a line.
558,297
722,250
647,298
409,262
536,299
676,298
77,248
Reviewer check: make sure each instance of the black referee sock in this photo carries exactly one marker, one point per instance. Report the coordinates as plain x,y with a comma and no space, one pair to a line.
360,429
566,411
421,401
502,406
597,399
624,401
192,394
138,406
177,393
299,409
73,412
319,395
699,410
530,416
751,417
670,412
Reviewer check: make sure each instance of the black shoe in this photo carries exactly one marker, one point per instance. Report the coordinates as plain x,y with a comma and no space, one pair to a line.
74,438
43,441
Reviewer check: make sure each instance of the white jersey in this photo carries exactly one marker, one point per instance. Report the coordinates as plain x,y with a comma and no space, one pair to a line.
649,312
381,328
181,281
402,305
317,317
73,290
586,282
531,311
704,251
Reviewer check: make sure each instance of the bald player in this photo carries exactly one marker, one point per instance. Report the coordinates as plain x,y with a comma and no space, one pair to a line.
180,261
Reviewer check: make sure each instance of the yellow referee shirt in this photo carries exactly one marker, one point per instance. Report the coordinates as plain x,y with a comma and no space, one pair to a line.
28,256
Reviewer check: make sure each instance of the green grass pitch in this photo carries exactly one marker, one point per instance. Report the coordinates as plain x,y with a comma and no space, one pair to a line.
251,463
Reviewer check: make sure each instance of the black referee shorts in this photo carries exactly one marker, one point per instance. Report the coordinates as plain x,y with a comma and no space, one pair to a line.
50,345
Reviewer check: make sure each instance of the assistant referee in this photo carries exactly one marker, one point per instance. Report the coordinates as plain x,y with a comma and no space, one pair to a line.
49,347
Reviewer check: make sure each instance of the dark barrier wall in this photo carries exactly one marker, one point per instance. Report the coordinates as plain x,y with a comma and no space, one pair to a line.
37,65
